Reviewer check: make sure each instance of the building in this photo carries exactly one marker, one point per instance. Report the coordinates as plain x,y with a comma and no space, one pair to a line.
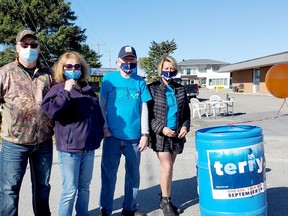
96,75
251,73
204,73
100,71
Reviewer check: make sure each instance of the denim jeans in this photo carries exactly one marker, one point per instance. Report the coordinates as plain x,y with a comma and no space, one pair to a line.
77,170
13,164
112,150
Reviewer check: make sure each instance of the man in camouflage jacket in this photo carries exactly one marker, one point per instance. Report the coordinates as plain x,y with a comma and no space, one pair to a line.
25,130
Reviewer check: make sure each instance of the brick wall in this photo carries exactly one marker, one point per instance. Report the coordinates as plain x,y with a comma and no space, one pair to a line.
246,77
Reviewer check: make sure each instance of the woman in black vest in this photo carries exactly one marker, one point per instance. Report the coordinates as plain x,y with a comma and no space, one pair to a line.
169,120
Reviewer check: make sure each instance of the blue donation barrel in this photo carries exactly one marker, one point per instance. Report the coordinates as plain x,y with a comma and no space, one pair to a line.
231,171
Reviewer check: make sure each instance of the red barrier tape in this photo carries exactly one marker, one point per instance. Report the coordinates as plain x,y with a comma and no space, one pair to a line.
264,119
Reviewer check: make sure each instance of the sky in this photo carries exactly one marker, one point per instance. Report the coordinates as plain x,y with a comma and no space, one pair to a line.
224,30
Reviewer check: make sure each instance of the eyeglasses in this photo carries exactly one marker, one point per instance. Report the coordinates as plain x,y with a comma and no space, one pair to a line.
26,45
70,67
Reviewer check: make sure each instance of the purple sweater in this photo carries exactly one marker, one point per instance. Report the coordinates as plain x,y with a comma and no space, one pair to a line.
78,118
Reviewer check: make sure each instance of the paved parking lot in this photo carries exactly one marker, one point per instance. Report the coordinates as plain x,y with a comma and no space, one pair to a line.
259,110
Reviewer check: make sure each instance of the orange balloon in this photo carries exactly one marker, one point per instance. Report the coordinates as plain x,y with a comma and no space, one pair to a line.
276,80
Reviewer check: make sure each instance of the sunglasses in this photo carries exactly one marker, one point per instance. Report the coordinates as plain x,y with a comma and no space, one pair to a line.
26,45
70,67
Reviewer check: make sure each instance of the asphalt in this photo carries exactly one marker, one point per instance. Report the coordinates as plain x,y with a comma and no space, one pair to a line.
264,111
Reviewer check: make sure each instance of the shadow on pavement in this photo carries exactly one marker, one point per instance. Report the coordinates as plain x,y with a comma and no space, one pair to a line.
184,195
277,201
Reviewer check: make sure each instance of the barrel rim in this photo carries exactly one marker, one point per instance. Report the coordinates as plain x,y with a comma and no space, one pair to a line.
233,131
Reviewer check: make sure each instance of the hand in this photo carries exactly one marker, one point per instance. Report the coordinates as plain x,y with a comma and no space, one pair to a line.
182,132
143,143
107,133
69,84
168,132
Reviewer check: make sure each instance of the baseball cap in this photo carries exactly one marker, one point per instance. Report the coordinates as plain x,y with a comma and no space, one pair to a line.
127,51
25,33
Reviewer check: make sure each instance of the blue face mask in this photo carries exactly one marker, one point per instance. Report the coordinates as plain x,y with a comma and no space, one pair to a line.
73,74
28,55
129,68
168,75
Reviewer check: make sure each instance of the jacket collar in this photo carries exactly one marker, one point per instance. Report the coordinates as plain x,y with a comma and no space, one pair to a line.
163,86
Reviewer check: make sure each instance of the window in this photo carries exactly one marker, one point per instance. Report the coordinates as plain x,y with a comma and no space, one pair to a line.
218,81
194,70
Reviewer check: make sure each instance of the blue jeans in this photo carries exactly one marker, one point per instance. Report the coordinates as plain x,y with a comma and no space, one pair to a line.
13,164
112,150
77,170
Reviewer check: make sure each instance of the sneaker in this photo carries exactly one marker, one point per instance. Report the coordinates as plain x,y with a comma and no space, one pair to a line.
132,213
168,208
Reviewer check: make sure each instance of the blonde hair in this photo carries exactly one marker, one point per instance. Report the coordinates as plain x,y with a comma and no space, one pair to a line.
58,68
168,59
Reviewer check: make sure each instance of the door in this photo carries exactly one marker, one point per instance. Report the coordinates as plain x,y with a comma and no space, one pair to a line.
256,80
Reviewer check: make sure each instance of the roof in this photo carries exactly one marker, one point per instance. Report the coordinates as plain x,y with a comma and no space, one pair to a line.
200,62
256,63
100,71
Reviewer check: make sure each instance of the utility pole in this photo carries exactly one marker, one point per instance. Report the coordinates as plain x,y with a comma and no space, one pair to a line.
98,47
109,58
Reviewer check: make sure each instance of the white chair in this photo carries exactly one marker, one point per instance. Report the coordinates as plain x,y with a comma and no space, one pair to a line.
198,106
218,104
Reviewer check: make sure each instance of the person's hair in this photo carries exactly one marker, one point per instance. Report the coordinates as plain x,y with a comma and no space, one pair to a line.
168,59
58,68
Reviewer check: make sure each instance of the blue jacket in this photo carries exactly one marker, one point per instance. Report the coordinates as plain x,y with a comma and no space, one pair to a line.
78,118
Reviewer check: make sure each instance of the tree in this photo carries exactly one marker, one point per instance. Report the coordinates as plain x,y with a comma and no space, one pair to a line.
6,56
157,51
53,23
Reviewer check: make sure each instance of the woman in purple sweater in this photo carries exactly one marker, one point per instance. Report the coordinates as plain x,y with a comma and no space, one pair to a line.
74,107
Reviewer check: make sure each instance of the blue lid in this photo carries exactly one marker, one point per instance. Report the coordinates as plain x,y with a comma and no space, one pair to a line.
233,131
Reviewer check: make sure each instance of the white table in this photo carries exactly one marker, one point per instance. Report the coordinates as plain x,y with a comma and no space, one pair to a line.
228,103
209,105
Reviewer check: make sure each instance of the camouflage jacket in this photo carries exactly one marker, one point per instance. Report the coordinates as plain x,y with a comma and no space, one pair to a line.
23,121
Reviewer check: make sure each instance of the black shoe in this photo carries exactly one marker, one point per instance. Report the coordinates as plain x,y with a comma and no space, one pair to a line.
132,213
104,213
168,208
176,209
